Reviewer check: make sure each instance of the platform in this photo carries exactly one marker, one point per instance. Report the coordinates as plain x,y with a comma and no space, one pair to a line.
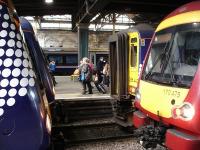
67,89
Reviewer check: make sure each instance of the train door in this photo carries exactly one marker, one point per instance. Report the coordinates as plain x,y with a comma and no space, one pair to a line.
133,61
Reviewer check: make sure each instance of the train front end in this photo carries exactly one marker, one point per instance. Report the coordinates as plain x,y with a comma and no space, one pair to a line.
24,123
168,94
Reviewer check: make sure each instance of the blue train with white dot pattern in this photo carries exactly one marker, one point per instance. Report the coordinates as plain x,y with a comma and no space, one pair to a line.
24,123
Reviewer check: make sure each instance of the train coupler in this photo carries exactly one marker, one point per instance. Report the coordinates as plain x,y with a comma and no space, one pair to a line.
149,136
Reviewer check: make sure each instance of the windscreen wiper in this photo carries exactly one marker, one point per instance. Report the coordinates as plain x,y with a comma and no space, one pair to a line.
161,56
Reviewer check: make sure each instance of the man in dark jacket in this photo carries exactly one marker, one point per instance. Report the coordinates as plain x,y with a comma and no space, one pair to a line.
100,65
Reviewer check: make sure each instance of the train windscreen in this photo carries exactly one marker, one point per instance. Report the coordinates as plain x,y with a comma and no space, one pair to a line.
174,56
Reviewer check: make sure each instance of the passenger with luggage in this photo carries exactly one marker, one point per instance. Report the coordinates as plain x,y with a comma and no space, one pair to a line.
100,87
100,65
86,75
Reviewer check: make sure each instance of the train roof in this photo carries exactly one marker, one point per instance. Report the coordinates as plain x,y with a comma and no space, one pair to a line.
187,13
139,28
143,29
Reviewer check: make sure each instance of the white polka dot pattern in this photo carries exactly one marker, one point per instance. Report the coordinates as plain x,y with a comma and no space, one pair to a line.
22,92
12,34
16,73
6,16
12,26
3,33
19,44
18,53
31,82
19,37
1,52
6,72
24,82
14,82
5,25
2,102
2,42
1,111
25,54
25,72
11,43
31,74
25,63
10,101
9,52
7,62
4,83
12,92
3,92
17,62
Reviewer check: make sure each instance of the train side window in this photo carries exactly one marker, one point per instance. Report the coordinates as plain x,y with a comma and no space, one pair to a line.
133,56
72,59
57,59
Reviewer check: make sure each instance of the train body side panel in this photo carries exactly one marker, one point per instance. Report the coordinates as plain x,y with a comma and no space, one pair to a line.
22,124
141,44
134,51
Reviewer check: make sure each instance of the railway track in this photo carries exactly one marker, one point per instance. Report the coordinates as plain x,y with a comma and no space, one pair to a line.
76,133
85,121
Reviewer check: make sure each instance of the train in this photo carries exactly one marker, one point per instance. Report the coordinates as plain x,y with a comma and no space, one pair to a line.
67,61
127,52
25,120
167,97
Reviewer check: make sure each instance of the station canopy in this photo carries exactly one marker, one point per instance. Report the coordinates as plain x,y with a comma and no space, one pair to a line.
99,14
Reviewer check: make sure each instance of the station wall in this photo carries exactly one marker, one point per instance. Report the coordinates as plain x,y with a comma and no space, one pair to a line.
56,40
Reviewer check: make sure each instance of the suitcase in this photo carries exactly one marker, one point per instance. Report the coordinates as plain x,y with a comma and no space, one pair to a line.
100,87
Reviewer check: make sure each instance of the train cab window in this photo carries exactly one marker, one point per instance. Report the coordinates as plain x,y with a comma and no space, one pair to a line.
133,56
71,59
133,40
192,50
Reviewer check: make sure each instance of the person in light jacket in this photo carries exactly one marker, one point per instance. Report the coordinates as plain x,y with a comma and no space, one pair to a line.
86,75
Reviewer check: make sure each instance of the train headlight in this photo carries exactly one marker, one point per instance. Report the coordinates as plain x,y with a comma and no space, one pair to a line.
137,94
48,124
185,111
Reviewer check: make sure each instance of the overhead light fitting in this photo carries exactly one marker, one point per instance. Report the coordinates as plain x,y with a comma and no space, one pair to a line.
48,1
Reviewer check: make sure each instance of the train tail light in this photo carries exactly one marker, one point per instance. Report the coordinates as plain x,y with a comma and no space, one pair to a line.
184,112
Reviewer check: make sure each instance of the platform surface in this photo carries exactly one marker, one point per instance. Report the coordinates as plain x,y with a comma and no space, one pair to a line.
67,89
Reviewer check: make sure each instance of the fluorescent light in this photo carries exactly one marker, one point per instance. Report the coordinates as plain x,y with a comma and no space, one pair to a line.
48,1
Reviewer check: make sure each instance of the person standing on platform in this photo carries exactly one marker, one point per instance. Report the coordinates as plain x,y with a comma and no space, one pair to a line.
86,75
52,69
100,65
106,74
